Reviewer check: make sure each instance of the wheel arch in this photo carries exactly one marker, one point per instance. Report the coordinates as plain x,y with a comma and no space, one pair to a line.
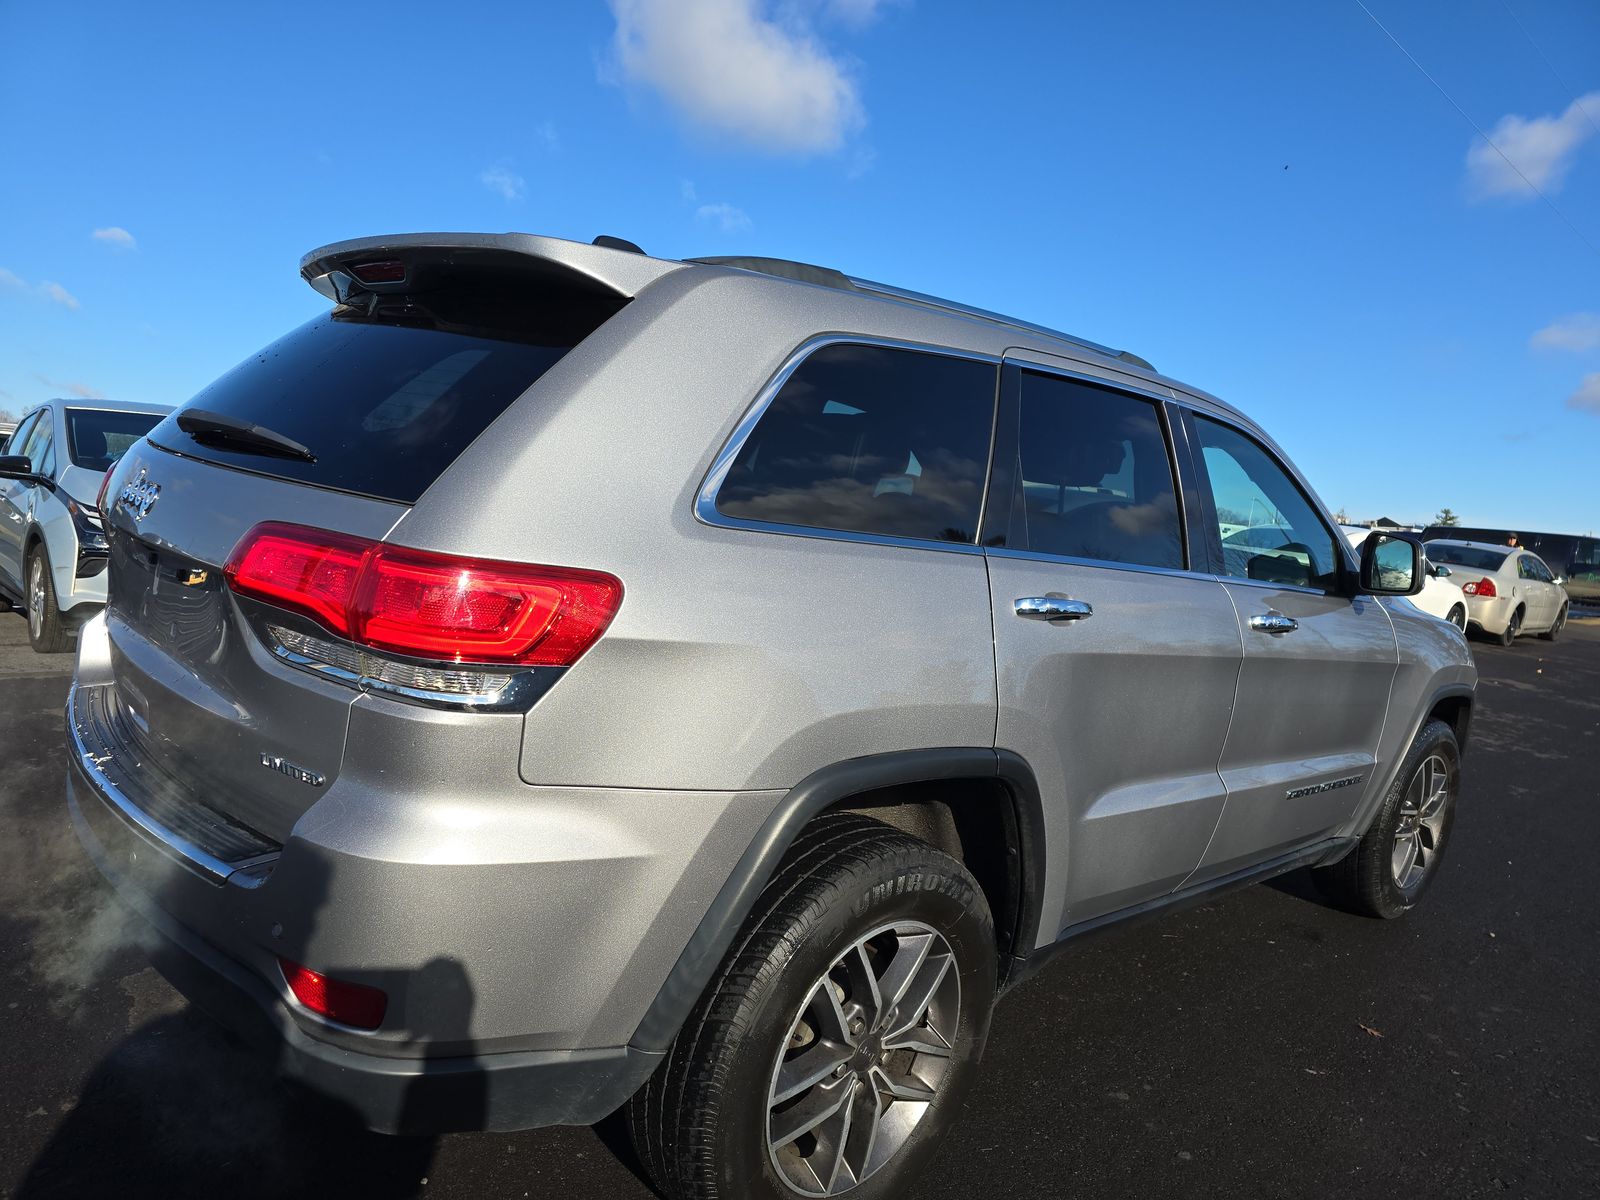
980,803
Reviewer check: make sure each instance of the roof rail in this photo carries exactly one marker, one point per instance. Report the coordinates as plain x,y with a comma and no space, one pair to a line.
968,310
828,277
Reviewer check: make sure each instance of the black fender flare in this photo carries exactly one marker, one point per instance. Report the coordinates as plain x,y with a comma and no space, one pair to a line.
821,790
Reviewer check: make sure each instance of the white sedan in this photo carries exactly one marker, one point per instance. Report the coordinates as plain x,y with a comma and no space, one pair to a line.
1509,591
1441,595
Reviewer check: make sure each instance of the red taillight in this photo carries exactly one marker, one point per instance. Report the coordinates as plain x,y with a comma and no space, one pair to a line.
100,496
303,570
426,605
1484,589
380,272
337,999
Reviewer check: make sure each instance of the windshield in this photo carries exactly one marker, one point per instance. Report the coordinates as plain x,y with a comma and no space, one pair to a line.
1466,556
97,437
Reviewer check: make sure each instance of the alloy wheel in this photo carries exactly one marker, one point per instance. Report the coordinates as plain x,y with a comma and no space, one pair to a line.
1420,833
863,1059
36,598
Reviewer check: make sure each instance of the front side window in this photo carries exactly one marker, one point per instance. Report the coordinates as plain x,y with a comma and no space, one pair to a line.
17,443
1270,531
870,439
43,450
1094,477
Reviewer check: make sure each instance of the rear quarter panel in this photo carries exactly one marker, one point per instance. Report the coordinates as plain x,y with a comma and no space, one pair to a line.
739,659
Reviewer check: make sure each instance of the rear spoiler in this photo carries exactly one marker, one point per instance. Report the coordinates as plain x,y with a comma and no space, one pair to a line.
600,269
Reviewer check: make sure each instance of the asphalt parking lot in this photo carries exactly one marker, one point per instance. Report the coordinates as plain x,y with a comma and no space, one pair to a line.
1264,1045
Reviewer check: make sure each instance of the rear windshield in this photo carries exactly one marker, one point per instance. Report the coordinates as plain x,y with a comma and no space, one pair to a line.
97,438
387,394
1466,556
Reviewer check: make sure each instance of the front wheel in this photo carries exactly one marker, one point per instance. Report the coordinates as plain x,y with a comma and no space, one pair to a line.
1513,627
1554,631
46,632
835,1045
1458,617
1397,858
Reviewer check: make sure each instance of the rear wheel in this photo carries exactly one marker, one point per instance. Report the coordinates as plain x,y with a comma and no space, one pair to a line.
1458,617
835,1045
46,633
1554,631
1513,627
1398,856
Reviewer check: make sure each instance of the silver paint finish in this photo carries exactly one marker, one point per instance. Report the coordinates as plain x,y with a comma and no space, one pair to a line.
550,866
1122,719
1310,709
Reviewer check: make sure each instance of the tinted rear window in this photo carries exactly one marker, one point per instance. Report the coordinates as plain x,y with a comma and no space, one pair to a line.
97,438
1466,556
387,399
870,440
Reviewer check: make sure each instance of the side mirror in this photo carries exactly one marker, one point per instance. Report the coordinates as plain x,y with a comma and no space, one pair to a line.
1443,572
1560,580
17,466
1391,565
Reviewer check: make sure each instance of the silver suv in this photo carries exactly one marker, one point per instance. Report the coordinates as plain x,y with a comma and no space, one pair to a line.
52,543
557,678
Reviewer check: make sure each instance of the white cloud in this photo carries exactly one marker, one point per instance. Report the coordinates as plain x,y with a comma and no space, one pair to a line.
504,182
51,290
81,390
729,68
48,289
726,217
115,235
1575,331
1541,147
1587,397
856,13
547,135
687,190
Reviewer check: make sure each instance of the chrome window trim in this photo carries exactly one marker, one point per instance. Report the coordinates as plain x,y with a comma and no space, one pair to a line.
1103,563
1285,587
705,505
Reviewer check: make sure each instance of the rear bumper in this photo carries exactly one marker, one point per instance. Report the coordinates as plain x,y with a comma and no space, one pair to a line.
393,1094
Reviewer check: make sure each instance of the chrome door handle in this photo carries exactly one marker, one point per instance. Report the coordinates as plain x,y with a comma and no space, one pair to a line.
1273,622
1052,608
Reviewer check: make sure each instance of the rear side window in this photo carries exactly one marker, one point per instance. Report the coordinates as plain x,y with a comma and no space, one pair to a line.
1095,479
388,393
96,438
870,439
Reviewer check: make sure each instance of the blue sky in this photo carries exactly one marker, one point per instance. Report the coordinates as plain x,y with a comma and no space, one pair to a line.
1267,200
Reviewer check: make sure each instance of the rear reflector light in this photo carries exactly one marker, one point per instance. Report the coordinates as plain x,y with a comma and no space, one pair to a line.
380,272
353,1004
1484,589
100,496
425,605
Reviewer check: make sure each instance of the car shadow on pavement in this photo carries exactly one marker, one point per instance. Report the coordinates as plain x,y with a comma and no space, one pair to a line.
177,1108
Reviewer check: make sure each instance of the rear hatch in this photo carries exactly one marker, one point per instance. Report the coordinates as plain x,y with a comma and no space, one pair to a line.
340,426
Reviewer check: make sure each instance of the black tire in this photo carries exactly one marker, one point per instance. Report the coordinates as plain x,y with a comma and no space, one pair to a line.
1554,631
700,1124
1364,880
1458,617
1513,627
47,634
